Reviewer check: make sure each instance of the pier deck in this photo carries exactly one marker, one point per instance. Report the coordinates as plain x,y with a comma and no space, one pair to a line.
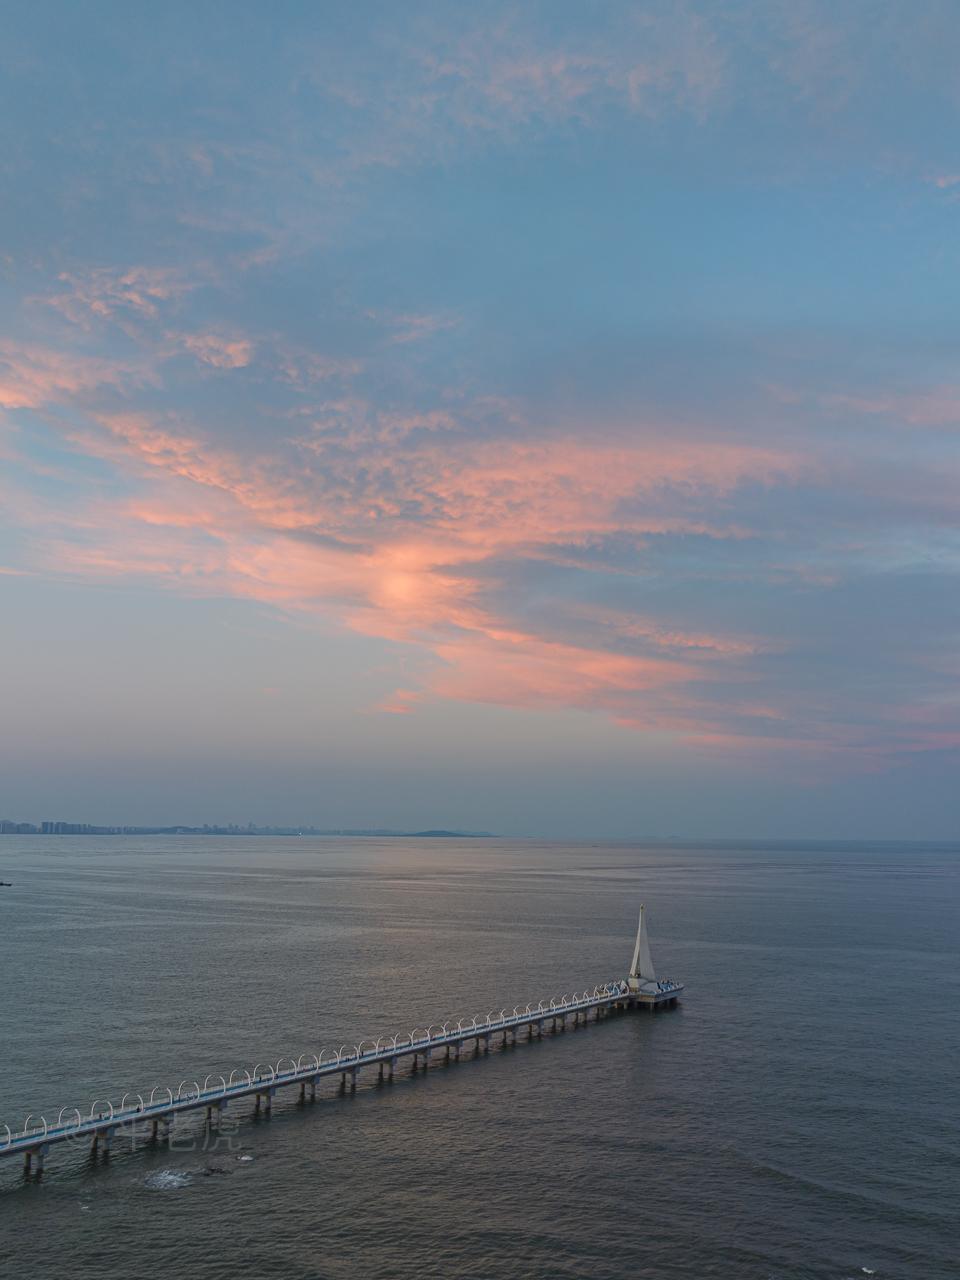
157,1113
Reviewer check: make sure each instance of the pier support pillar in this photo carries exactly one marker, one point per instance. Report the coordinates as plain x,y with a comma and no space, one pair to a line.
106,1141
313,1089
154,1126
303,1090
27,1163
353,1079
486,1043
426,1059
38,1162
456,1050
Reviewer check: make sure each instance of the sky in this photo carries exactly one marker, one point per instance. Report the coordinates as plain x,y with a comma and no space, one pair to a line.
533,417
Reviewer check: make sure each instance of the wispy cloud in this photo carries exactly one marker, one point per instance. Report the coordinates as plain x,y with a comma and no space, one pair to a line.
32,375
219,350
569,353
108,292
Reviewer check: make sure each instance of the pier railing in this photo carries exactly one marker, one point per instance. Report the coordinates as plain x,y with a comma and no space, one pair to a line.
216,1090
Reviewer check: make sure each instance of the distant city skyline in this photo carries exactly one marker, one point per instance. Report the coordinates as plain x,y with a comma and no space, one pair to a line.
535,417
59,827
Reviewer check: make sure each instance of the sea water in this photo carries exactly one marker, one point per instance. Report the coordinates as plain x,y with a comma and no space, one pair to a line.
797,1116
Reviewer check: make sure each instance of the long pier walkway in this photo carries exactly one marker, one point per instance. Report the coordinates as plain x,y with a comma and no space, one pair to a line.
157,1113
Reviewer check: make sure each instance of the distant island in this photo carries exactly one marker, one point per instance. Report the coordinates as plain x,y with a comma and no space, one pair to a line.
58,828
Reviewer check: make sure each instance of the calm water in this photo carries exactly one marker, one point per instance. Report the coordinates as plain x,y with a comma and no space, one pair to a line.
797,1116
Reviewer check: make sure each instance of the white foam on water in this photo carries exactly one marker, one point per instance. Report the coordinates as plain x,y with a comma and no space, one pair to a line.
167,1180
244,1159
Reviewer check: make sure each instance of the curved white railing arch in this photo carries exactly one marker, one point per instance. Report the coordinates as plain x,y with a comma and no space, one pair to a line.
212,1076
75,1111
94,1106
235,1072
280,1062
165,1089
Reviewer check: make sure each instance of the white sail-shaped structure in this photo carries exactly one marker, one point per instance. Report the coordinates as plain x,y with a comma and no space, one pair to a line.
642,975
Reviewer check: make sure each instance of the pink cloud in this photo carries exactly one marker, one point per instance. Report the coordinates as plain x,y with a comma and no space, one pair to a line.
208,521
218,350
32,376
402,535
522,670
106,292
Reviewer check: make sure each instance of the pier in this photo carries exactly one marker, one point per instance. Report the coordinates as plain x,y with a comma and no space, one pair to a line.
155,1115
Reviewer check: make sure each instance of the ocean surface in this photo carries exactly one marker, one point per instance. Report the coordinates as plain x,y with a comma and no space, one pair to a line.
798,1116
